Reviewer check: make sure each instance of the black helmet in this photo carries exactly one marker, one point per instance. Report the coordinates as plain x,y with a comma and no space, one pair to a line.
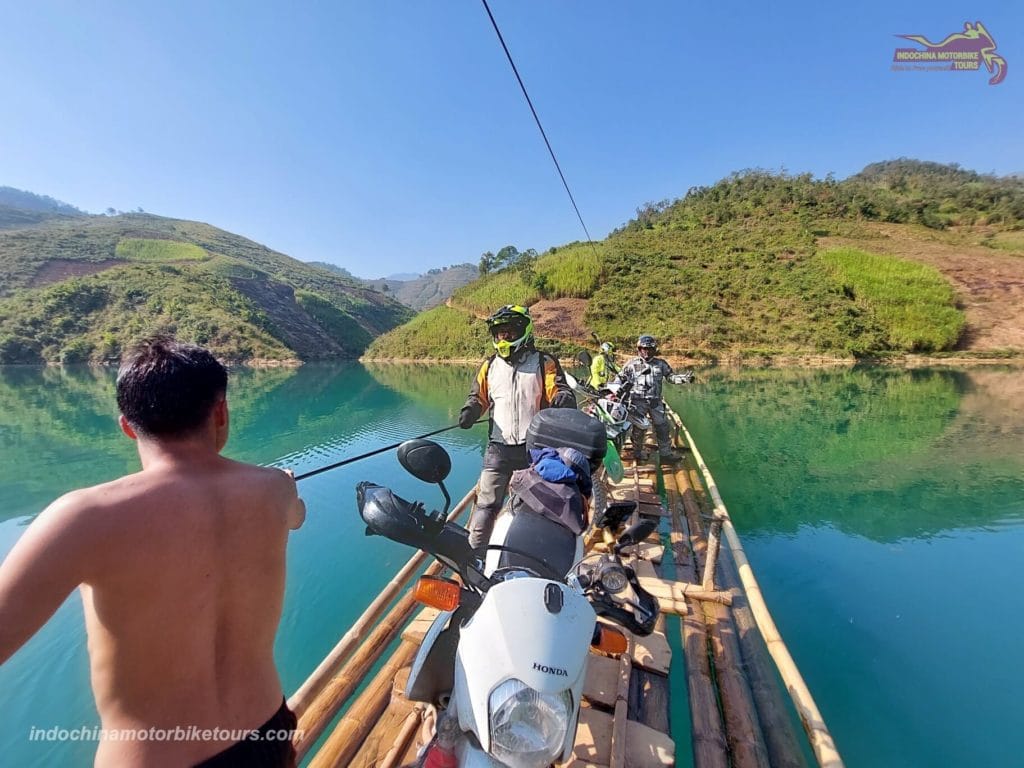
646,341
517,318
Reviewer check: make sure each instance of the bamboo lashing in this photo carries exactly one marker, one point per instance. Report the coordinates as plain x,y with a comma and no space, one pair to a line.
814,724
301,699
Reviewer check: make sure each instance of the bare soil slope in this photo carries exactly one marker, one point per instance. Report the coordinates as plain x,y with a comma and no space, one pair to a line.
561,319
989,282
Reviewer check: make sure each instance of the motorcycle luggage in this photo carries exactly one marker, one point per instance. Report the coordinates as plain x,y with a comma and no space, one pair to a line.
567,428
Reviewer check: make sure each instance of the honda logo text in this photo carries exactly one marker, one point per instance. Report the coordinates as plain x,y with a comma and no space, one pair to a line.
551,670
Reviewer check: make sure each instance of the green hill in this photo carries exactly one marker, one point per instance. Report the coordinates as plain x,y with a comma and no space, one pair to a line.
76,287
741,269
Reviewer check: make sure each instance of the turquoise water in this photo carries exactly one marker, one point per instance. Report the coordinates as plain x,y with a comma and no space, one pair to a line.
883,512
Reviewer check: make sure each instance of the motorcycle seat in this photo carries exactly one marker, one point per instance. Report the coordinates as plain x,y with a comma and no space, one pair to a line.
543,538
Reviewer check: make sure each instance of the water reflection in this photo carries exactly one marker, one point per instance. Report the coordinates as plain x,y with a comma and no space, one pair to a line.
857,491
879,452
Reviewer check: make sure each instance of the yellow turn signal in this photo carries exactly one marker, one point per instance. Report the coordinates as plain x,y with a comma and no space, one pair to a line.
438,593
610,640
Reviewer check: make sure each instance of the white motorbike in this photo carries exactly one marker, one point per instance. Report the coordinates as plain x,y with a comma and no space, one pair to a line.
505,660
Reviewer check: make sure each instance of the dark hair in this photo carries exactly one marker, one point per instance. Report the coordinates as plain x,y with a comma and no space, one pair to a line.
167,389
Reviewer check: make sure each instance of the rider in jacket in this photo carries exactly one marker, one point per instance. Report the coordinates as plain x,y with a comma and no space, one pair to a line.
602,367
514,384
646,373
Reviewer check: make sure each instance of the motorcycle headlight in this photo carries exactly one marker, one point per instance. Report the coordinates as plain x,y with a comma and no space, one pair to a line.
527,727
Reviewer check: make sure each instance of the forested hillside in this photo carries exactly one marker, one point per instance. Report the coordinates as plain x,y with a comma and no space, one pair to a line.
749,267
76,287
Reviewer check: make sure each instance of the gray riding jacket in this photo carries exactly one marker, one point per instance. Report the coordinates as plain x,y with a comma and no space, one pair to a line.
646,376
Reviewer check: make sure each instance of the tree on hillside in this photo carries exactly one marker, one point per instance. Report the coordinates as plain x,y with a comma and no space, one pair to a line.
648,212
506,257
486,263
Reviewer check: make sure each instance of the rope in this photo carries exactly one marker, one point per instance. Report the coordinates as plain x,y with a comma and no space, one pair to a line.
536,119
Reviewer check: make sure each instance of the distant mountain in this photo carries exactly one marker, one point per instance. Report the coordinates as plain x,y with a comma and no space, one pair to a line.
333,268
76,287
429,290
19,208
29,201
418,291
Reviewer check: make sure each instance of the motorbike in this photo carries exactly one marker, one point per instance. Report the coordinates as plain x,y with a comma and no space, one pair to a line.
613,404
618,415
505,660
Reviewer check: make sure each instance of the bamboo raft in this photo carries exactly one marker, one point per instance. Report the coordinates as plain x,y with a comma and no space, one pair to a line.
733,654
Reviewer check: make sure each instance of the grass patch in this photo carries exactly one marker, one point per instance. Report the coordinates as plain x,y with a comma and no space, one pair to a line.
1012,242
912,302
153,251
438,333
572,271
496,290
745,283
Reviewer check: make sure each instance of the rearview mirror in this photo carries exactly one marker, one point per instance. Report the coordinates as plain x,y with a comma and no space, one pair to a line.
584,358
614,514
425,460
636,533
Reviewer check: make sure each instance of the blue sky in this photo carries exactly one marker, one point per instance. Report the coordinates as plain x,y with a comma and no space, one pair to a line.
391,136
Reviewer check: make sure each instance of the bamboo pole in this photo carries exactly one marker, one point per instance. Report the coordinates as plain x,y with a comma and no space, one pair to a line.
619,720
814,724
708,581
346,739
742,731
708,736
742,727
303,697
773,710
674,591
338,689
401,745
780,737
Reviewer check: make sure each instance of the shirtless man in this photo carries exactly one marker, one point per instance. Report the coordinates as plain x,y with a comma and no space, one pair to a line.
181,568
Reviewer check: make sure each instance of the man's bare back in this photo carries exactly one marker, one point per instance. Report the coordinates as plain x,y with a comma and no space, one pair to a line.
182,569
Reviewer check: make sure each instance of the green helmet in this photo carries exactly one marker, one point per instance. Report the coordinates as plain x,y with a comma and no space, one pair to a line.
517,318
607,347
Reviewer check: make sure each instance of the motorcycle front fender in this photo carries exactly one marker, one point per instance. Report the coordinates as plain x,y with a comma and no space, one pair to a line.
520,632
